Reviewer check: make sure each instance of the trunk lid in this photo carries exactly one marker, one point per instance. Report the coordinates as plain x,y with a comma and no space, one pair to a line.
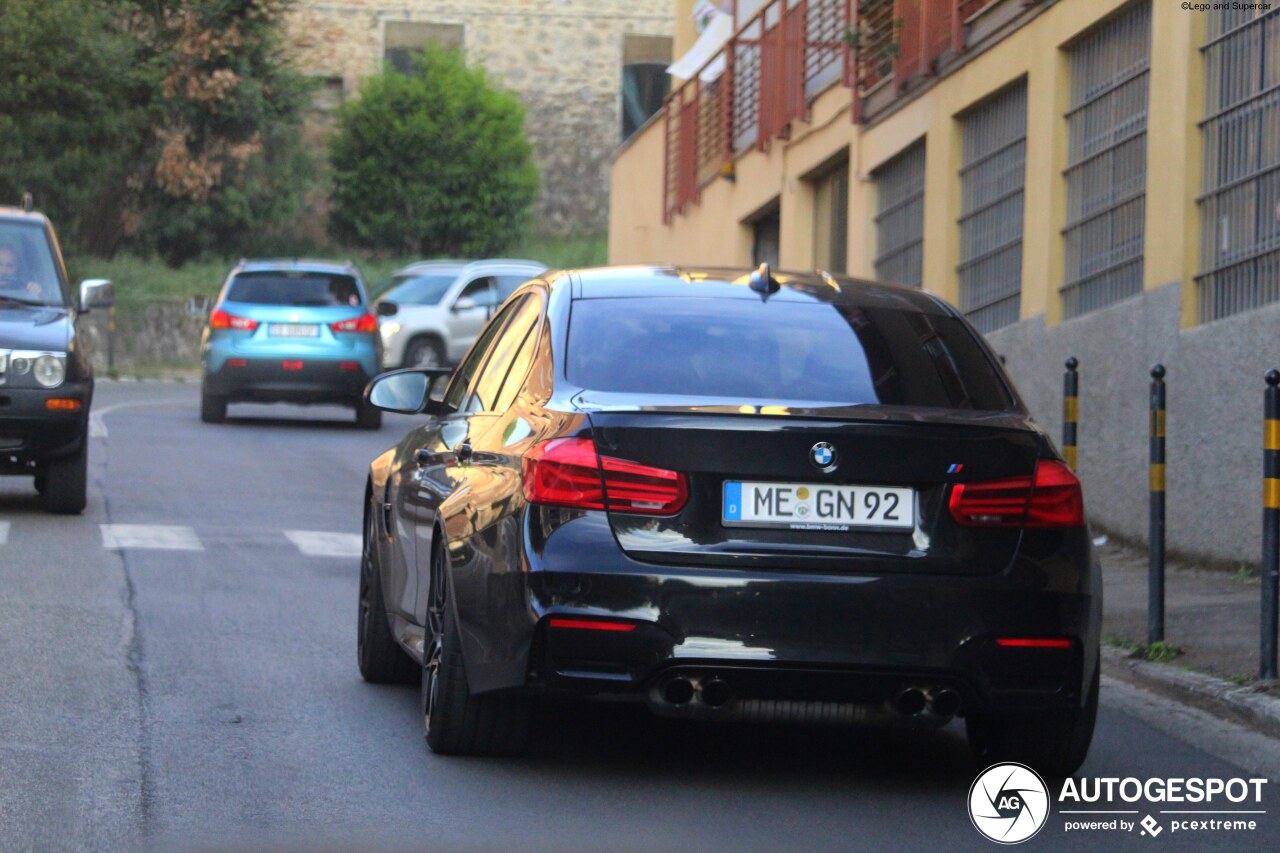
882,447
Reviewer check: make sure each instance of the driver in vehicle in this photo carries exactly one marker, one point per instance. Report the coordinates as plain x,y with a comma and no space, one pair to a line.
11,281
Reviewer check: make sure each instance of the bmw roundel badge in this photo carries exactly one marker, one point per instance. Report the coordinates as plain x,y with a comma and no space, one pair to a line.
823,457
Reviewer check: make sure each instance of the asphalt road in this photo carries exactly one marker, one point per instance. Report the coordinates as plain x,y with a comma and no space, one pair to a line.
177,670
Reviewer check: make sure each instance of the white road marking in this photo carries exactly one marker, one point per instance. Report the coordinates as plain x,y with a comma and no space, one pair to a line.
152,536
98,427
314,543
4,532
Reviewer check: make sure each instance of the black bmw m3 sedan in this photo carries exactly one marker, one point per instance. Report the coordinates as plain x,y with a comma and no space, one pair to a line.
730,495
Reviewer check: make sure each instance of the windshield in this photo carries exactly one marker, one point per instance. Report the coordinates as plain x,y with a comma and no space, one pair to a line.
27,270
294,288
419,289
747,350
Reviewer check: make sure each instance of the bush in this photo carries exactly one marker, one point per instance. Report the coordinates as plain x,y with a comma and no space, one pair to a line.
433,163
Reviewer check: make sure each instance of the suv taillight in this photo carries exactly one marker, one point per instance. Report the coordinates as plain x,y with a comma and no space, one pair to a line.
568,472
220,319
366,323
1052,498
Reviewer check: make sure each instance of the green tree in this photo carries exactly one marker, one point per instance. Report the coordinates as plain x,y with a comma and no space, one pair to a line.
71,103
432,163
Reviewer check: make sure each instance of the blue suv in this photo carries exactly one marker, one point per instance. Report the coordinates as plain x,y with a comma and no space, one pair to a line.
290,331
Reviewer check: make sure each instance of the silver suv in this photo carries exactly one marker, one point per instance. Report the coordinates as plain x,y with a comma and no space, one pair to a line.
434,310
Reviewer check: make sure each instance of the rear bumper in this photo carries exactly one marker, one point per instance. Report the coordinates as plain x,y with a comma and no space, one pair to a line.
30,433
267,380
772,633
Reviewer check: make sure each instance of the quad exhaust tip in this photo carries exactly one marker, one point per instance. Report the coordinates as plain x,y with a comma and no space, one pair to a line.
716,693
944,702
909,702
677,691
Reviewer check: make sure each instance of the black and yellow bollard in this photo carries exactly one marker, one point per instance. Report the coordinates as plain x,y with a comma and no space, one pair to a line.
1070,410
1270,524
1155,537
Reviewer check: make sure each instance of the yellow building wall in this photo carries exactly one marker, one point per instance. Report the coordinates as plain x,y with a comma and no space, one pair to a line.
714,232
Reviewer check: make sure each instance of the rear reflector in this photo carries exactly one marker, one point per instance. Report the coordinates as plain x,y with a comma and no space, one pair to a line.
1032,643
366,324
237,362
220,319
1052,498
568,472
349,366
62,404
591,625
291,365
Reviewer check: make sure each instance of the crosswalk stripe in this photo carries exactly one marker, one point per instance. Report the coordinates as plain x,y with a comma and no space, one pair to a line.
315,543
4,532
149,536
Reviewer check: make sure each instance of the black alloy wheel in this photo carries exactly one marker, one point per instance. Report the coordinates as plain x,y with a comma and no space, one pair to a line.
380,657
454,721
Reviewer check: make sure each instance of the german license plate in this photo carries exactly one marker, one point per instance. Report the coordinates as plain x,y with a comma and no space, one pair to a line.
817,506
295,330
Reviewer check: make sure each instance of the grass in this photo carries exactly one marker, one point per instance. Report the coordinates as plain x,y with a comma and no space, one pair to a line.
142,280
1156,652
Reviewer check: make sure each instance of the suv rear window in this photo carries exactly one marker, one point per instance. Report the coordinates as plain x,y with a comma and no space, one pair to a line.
789,352
294,288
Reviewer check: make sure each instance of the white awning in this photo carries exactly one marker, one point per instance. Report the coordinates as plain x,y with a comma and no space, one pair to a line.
714,37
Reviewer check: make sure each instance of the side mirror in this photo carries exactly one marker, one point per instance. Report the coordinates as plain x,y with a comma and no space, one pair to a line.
387,309
96,293
405,391
198,307
466,303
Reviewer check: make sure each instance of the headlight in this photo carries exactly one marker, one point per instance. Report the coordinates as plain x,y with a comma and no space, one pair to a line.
50,370
389,330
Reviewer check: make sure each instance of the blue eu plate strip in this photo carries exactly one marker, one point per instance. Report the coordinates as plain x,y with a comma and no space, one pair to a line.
732,501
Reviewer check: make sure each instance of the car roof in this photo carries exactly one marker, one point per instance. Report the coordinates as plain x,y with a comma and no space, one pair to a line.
464,266
295,264
17,214
733,283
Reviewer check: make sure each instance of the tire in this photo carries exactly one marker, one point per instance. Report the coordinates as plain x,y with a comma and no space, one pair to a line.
379,656
213,408
424,352
368,416
454,721
64,480
1054,743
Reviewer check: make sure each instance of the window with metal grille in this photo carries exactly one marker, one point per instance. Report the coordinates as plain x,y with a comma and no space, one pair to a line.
1240,204
831,218
992,178
900,218
1106,170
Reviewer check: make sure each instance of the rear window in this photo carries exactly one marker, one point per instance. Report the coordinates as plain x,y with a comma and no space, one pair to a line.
294,288
747,350
419,289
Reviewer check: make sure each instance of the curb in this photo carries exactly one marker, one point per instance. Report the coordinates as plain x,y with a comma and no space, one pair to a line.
1251,706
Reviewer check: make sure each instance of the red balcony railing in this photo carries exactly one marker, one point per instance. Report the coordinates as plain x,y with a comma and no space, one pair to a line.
782,58
775,64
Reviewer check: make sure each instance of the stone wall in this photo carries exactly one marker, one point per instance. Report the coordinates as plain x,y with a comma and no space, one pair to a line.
562,57
1214,428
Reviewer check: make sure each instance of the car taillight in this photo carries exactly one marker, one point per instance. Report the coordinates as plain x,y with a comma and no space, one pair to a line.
220,319
366,323
568,472
1052,498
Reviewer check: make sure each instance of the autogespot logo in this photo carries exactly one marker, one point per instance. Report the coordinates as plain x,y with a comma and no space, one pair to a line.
1008,803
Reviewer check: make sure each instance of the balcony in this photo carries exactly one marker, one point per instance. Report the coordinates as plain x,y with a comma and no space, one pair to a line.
771,69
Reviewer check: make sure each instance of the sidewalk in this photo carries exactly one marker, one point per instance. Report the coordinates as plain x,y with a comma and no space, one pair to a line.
1212,619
